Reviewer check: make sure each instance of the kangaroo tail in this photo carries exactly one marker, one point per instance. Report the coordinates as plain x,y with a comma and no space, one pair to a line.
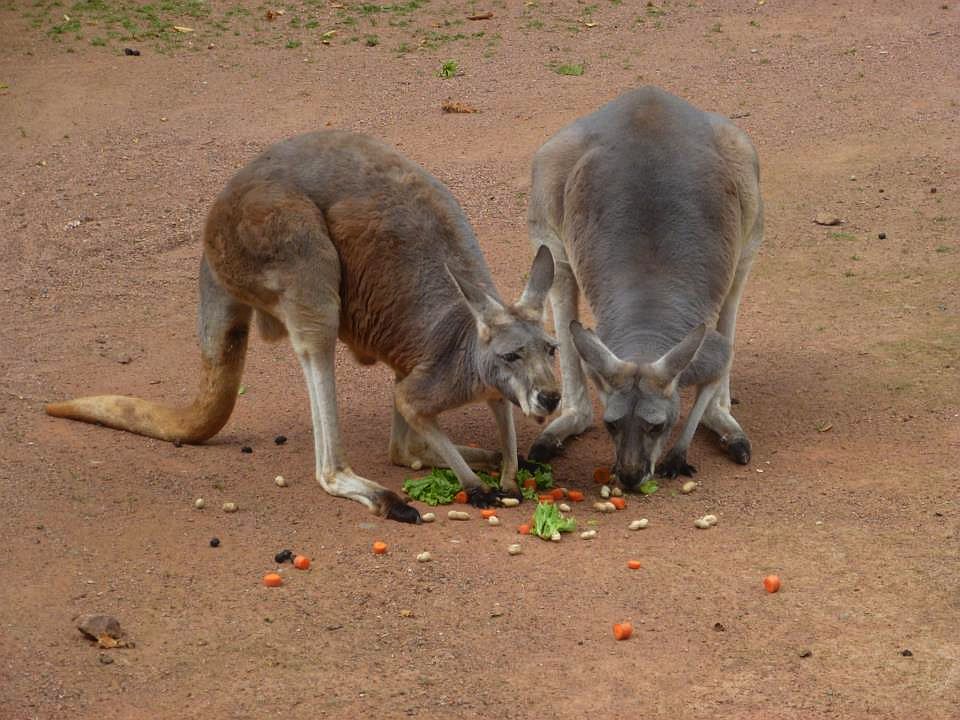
224,325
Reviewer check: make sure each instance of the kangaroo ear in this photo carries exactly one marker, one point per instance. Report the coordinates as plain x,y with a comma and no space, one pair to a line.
484,306
667,369
611,369
541,278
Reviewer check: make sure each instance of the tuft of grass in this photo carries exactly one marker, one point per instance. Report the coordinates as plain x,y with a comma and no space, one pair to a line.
449,69
570,69
371,41
293,44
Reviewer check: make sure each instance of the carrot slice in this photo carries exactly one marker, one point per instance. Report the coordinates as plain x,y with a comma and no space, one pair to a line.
575,496
601,476
633,564
488,513
272,580
301,562
530,483
379,548
460,497
618,502
622,631
524,529
546,499
558,493
771,583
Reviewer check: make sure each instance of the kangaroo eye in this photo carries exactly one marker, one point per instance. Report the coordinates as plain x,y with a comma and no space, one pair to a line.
510,357
551,350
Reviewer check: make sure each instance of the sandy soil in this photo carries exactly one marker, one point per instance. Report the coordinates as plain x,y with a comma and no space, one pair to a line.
846,373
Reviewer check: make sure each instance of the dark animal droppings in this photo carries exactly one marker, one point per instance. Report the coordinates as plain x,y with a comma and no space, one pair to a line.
214,542
130,51
280,439
246,449
906,653
283,556
882,236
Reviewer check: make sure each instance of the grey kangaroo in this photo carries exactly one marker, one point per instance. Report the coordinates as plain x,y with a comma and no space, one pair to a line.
653,208
332,234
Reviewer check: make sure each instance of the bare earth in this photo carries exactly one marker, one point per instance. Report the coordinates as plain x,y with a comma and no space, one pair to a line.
846,373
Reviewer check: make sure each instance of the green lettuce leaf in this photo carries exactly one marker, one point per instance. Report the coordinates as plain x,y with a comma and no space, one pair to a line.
548,520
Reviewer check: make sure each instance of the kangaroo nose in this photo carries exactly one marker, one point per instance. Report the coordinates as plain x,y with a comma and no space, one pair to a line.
548,400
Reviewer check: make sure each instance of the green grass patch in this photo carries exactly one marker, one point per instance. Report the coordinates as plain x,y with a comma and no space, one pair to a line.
570,69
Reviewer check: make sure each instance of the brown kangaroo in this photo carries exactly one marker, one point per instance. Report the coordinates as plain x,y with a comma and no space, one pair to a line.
332,234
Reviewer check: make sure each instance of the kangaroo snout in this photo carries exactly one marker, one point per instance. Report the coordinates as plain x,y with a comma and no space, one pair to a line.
633,476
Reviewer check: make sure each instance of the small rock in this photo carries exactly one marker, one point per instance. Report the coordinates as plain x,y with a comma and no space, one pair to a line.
806,653
72,224
719,627
230,507
906,653
406,613
280,481
824,218
199,503
514,549
98,626
882,236
124,359
214,542
933,191
105,659
131,52
280,439
246,449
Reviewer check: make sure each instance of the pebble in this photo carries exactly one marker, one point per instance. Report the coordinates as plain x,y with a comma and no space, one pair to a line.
199,503
246,449
514,549
604,507
638,524
825,218
105,659
616,491
509,502
605,492
556,537
493,520
588,534
230,507
882,236
458,515
563,507
689,486
424,557
280,481
428,517
280,439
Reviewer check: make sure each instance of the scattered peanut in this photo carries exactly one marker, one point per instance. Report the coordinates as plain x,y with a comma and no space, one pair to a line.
712,519
604,507
556,537
458,515
280,481
689,486
428,517
588,534
514,549
199,503
706,521
615,491
509,502
493,520
638,524
424,557
230,507
605,492
416,465
563,507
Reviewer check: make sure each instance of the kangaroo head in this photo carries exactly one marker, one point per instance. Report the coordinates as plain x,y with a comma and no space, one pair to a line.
515,354
641,400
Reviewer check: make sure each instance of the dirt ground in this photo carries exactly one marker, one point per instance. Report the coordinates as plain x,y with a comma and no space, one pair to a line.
846,373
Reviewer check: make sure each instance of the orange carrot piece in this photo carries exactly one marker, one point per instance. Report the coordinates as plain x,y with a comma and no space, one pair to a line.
489,513
618,502
379,548
524,529
622,631
633,564
575,496
771,583
301,562
460,497
272,580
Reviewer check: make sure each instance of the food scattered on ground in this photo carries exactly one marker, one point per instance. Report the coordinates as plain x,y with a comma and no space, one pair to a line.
283,556
199,503
771,583
618,502
615,491
230,507
301,562
458,515
542,477
601,475
424,557
214,542
633,564
441,487
563,507
272,580
649,487
689,486
556,537
524,529
712,519
428,517
461,497
575,496
416,465
514,549
605,491
493,520
605,507
622,631
488,513
509,502
707,521
105,629
379,547
638,524
558,493
280,481
453,106
588,534
548,521
545,499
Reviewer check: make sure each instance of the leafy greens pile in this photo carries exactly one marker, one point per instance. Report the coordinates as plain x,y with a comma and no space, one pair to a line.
548,520
441,485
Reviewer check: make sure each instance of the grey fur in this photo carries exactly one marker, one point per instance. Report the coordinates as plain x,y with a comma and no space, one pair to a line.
655,208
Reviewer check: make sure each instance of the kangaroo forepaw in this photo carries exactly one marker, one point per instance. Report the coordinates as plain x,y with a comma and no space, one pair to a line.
544,449
482,497
739,451
676,464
